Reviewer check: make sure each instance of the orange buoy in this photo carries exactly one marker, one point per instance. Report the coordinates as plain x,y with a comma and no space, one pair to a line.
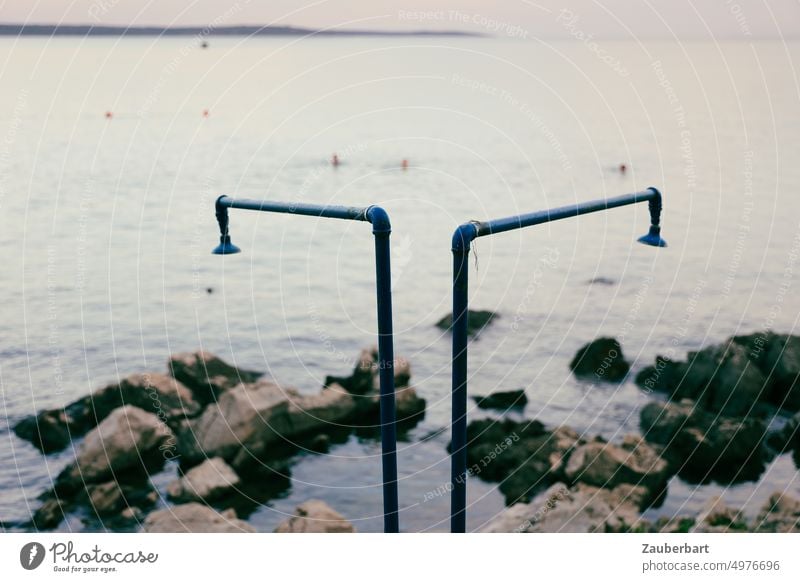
335,160
404,165
205,112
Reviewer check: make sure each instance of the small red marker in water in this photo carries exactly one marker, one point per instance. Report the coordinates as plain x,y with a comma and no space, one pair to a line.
109,115
623,168
404,164
335,160
205,112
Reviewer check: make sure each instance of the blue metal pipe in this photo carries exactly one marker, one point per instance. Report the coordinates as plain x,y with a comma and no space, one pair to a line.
462,239
381,229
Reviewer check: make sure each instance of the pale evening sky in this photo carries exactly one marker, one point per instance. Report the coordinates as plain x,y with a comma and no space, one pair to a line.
521,18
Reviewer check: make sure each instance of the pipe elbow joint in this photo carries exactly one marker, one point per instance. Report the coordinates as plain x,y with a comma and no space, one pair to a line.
379,219
463,237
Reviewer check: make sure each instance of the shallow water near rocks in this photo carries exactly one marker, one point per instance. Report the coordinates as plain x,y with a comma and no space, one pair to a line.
110,224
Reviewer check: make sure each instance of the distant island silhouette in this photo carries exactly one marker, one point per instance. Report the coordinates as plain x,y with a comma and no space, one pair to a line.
92,30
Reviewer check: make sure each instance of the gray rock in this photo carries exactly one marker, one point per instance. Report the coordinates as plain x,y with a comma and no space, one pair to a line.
49,515
781,514
778,358
728,379
210,480
607,465
128,439
704,446
581,509
601,360
523,456
716,517
502,400
251,419
476,321
52,430
315,516
195,518
207,375
112,497
364,385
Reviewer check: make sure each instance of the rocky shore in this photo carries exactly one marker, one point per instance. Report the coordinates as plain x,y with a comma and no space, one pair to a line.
718,424
719,416
230,431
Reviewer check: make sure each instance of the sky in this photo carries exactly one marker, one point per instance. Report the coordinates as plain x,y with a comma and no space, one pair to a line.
551,19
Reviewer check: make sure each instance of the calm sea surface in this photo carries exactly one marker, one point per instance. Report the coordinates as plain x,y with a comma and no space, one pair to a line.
106,228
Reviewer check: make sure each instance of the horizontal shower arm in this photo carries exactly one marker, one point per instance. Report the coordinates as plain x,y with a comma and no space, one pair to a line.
319,210
523,220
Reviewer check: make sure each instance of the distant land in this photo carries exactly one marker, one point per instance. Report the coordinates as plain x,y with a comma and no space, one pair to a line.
90,30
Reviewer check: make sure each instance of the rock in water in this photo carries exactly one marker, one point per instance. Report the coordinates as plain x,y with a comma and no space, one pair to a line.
49,515
778,358
581,509
48,431
523,456
781,514
705,446
315,516
601,360
476,321
52,430
252,420
607,465
364,384
209,480
732,377
127,440
195,518
502,400
716,517
207,375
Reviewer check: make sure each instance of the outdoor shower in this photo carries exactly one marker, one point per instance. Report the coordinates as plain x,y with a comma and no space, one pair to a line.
382,229
462,238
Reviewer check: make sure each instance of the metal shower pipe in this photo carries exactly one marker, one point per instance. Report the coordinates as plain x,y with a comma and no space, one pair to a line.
462,238
381,229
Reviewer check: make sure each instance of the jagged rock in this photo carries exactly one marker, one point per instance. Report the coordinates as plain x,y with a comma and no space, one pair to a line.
49,515
716,517
778,358
195,518
52,430
578,510
781,514
127,440
523,456
600,360
210,480
112,497
705,446
732,377
315,516
364,385
252,420
502,400
49,431
207,375
476,321
607,465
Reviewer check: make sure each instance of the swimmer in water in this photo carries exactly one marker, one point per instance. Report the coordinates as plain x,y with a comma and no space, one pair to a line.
335,161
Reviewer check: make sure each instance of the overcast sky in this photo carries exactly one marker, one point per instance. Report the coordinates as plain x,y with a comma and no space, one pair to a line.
539,18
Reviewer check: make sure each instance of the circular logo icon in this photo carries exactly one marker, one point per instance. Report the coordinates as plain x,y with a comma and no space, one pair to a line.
31,555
